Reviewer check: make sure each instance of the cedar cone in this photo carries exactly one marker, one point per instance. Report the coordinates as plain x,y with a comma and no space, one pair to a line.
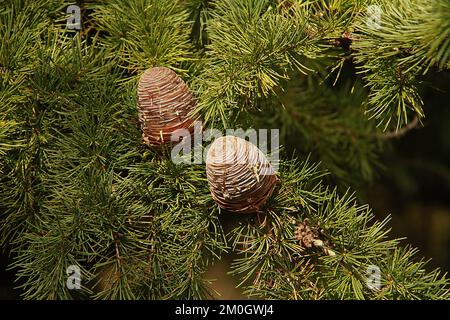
305,235
165,104
240,177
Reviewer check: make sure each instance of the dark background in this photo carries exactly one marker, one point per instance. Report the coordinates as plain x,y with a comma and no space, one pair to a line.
415,185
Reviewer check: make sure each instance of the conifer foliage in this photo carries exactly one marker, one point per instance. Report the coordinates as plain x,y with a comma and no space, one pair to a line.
79,187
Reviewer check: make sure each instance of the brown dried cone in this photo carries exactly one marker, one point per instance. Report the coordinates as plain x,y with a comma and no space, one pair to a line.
305,235
240,177
165,104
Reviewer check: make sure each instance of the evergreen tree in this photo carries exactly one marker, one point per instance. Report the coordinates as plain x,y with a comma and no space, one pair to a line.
80,188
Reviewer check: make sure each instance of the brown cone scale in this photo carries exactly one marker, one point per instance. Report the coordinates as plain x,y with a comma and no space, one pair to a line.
165,105
240,177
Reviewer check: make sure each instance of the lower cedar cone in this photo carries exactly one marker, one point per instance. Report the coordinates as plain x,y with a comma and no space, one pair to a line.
165,105
240,177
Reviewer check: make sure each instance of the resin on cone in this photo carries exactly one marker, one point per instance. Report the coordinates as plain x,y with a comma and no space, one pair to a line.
240,177
165,105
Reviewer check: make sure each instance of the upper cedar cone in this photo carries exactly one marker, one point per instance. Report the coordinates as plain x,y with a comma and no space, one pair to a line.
240,177
165,104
